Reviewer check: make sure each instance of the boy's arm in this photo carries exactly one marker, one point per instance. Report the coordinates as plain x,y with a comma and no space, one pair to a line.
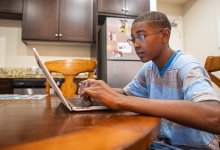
119,90
201,115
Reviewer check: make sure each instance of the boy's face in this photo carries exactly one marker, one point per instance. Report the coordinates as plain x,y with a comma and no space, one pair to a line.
148,41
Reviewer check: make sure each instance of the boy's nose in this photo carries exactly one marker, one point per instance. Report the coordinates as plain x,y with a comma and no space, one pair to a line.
137,44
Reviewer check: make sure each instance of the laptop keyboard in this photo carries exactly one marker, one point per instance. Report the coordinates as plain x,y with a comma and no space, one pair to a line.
78,102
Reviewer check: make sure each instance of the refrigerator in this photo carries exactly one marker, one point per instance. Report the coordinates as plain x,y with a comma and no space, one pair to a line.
117,60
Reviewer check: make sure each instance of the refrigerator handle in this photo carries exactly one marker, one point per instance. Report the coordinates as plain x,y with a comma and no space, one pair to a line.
123,5
126,7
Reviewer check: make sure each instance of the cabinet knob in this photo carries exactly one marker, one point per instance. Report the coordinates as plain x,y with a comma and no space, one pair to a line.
123,9
126,10
60,35
56,35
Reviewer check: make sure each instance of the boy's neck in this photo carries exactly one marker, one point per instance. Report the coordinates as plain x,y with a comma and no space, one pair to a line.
164,56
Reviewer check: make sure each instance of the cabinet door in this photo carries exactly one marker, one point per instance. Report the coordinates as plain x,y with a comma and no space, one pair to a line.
40,20
111,6
6,86
136,7
11,6
76,20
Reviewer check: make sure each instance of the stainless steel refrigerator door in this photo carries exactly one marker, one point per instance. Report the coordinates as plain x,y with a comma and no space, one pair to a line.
120,73
118,31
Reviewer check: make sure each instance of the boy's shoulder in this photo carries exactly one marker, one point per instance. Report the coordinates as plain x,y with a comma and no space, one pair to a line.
184,59
186,63
181,59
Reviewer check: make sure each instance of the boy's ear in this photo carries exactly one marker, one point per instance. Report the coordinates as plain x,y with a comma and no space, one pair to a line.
166,35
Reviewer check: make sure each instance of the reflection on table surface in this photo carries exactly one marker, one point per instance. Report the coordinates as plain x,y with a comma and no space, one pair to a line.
32,121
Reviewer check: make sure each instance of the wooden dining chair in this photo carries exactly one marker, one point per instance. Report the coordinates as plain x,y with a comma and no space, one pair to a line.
212,64
69,69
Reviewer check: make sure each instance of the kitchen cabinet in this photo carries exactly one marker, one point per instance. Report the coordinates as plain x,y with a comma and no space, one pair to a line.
111,6
76,20
11,9
58,20
123,7
6,86
11,6
135,8
40,20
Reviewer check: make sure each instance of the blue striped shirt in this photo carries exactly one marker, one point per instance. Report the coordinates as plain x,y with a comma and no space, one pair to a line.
181,78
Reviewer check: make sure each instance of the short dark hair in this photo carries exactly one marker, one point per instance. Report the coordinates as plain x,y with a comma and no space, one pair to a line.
155,18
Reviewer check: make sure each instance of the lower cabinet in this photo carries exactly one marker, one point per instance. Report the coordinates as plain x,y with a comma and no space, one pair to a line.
6,86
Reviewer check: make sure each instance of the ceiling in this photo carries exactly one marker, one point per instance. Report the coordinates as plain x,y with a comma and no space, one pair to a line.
179,2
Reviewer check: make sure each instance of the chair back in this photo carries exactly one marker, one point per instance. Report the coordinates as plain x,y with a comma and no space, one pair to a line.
69,69
212,64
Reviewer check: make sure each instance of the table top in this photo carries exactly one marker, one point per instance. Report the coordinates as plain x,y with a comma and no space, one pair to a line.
47,124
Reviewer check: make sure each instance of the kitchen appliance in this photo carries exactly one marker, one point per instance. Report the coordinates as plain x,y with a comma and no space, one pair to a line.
31,85
117,61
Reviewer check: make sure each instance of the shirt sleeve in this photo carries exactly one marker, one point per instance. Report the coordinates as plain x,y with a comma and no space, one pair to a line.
137,87
197,85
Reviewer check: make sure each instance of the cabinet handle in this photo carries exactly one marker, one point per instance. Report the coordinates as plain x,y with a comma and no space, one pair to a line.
60,35
56,35
20,83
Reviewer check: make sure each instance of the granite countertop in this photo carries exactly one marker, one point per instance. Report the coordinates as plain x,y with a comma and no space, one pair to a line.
30,73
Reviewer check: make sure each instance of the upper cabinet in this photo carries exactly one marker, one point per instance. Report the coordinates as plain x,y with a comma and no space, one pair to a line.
11,9
123,7
76,20
111,6
40,20
58,20
136,7
11,6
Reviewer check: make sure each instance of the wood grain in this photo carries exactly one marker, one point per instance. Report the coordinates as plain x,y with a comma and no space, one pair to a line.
47,124
70,69
212,64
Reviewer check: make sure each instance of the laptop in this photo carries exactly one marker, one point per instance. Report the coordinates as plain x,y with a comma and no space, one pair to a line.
73,104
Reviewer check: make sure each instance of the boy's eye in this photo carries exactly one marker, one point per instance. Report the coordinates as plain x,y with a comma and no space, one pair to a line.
141,37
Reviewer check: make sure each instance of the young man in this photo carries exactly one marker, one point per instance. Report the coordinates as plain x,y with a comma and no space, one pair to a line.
171,84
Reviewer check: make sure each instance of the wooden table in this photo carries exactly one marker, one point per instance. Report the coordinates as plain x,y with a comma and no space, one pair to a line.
47,124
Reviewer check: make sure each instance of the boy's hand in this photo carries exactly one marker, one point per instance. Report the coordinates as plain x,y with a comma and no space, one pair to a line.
99,90
81,92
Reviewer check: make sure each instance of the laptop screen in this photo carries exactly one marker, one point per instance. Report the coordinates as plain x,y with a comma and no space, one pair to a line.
50,78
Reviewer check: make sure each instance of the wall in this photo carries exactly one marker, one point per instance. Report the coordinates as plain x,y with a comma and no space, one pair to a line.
14,53
171,9
200,28
174,14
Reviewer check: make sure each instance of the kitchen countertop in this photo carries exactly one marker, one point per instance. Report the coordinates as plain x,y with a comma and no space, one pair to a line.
30,73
